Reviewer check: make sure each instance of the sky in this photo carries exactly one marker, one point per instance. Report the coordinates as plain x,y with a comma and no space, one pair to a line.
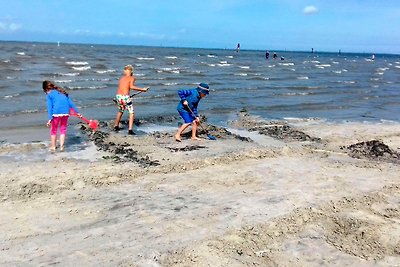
366,26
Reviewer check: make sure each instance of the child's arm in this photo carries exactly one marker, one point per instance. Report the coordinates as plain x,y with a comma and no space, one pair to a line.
183,94
72,105
133,87
49,107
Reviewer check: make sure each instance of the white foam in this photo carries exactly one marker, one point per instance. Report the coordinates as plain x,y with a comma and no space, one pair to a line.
82,68
212,56
63,81
171,57
21,53
169,84
69,74
337,71
286,64
302,78
244,67
11,96
241,74
146,58
105,71
77,63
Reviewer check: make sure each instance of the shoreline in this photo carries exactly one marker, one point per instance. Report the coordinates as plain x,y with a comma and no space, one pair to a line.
266,192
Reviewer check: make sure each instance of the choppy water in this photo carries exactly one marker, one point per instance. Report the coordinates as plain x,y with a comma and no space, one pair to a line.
322,85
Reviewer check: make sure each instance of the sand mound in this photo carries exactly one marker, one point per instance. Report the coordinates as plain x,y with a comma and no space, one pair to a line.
372,150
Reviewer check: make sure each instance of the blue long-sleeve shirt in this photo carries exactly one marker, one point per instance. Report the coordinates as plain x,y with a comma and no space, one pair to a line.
192,97
58,104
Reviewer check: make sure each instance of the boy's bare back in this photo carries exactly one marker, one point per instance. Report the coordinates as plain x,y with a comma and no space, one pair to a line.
125,83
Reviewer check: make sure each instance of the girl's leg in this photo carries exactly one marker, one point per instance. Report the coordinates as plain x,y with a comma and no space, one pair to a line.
180,130
63,131
53,133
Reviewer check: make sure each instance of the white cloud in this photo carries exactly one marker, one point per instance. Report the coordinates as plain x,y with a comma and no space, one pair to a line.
9,27
308,10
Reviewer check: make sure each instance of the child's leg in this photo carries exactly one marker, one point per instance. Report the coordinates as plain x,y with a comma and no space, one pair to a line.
63,131
194,131
53,132
180,130
131,120
118,119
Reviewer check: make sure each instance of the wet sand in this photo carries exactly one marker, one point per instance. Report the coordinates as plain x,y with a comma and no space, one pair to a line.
265,193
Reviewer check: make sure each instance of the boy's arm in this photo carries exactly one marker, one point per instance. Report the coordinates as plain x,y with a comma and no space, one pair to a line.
133,87
183,94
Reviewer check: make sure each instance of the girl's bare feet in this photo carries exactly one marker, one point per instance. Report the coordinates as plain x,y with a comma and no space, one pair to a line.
178,138
52,149
196,138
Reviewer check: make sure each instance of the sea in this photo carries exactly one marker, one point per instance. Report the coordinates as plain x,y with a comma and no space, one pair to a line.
338,87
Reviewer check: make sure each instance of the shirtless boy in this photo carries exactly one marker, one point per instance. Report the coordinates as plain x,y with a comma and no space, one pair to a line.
124,101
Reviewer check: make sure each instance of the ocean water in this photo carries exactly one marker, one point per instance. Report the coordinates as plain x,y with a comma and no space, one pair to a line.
328,86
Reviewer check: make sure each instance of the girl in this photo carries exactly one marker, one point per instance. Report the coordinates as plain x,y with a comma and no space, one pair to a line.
58,105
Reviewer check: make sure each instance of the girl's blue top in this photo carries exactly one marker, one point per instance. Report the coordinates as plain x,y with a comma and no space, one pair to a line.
192,97
58,104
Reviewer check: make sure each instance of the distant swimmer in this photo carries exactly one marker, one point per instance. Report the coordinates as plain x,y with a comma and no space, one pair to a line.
238,47
282,58
267,55
275,56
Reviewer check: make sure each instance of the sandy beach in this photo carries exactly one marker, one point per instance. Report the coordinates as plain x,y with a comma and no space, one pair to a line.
265,193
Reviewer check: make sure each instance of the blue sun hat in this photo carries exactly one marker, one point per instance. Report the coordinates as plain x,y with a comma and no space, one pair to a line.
203,88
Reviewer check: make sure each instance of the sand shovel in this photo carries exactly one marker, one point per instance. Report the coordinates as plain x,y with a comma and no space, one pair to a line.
116,101
93,124
211,137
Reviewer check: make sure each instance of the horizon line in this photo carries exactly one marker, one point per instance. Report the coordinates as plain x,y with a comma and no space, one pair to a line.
314,51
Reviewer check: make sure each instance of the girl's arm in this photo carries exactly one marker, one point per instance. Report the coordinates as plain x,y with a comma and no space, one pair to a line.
72,105
49,107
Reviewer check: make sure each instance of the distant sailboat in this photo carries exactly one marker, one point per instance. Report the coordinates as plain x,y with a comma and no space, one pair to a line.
58,43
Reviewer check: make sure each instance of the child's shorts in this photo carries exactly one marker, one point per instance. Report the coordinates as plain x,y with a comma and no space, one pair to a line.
187,117
124,102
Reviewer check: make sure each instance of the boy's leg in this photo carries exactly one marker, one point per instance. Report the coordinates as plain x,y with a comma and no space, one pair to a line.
180,130
117,120
194,131
131,120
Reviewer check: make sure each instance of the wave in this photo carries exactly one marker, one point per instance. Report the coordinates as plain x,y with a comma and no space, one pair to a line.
11,96
21,53
82,68
145,58
68,74
171,57
77,63
106,71
302,78
63,81
286,64
244,67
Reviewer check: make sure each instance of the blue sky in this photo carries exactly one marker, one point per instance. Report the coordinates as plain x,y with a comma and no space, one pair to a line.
371,26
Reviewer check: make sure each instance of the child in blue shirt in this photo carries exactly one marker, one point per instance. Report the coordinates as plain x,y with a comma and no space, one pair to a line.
187,108
58,106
